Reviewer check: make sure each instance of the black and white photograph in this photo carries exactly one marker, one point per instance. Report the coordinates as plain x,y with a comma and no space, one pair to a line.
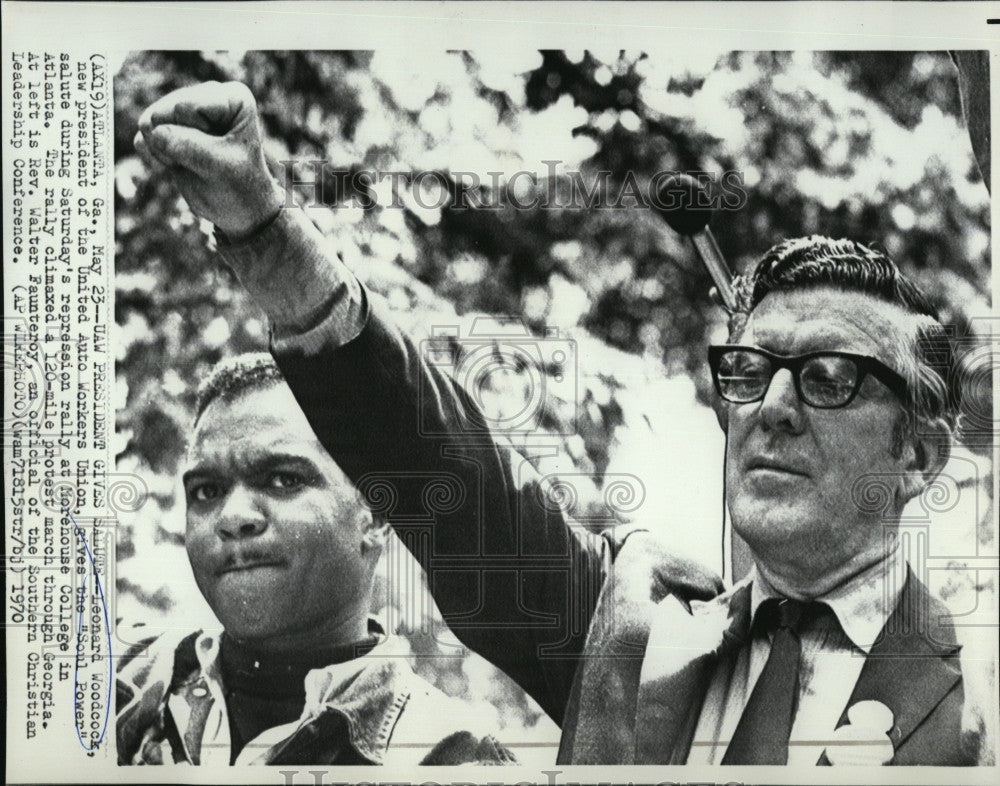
460,303
516,406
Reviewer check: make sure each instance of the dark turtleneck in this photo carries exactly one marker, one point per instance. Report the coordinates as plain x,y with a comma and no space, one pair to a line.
266,690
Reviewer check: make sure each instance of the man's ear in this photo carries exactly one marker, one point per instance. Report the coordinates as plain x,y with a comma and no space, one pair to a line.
376,530
926,456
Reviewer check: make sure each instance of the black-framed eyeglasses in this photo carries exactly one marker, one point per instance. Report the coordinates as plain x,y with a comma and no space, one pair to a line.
825,380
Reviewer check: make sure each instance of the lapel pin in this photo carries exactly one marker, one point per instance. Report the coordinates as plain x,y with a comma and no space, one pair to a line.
872,715
864,740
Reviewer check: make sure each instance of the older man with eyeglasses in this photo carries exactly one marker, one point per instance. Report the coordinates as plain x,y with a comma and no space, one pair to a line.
831,651
833,383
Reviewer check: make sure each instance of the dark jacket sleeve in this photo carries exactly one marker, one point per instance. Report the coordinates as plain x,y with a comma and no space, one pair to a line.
515,580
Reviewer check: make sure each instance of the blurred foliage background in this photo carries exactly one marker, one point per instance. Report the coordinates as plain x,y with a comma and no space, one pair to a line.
870,146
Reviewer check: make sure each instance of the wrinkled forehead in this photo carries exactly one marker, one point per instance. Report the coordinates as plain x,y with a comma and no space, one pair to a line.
823,318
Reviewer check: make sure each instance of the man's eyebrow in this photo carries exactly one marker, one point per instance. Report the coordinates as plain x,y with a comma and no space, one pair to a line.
197,471
257,464
270,459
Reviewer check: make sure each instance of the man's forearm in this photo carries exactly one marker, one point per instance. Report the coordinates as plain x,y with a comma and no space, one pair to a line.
310,297
506,569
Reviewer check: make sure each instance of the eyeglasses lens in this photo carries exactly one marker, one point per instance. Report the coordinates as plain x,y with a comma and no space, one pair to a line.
828,381
743,376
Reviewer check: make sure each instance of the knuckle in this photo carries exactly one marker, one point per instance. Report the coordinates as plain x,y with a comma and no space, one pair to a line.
242,92
185,95
211,92
160,137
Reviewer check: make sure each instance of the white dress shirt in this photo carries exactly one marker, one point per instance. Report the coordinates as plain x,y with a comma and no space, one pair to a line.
829,667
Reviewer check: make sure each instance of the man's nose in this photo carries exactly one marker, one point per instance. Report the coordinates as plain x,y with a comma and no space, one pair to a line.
781,409
240,516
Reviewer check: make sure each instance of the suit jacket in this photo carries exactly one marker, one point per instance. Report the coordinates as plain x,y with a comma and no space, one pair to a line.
647,671
530,590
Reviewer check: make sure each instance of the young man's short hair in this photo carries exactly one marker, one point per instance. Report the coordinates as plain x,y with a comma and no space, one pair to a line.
231,377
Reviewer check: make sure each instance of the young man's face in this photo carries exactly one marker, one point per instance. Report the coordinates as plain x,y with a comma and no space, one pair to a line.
274,527
793,471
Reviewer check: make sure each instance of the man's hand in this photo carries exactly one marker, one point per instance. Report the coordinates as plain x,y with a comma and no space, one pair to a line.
647,570
208,137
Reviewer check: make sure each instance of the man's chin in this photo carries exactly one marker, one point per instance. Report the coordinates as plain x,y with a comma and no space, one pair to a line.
250,627
251,631
770,534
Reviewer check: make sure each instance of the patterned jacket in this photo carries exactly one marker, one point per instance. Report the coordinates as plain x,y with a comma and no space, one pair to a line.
370,710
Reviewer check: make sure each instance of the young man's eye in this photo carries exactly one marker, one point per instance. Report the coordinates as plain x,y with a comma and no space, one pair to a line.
284,481
204,492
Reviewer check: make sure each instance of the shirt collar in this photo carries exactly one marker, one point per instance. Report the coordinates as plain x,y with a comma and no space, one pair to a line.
370,691
862,604
206,647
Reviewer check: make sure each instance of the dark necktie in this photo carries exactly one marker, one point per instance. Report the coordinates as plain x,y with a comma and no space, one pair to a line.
761,737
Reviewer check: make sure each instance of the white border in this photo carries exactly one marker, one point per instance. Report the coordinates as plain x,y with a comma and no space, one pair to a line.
653,27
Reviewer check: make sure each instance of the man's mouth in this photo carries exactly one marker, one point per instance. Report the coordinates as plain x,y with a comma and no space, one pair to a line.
238,564
774,465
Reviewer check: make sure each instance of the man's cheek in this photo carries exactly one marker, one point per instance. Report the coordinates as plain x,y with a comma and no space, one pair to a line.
315,512
197,543
740,424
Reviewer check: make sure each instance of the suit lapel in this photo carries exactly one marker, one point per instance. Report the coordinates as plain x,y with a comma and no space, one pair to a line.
910,668
683,650
598,725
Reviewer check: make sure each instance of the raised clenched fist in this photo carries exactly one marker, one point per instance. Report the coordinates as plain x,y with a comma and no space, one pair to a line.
208,138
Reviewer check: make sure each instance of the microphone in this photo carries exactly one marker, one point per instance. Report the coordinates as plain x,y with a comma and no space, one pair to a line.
686,206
